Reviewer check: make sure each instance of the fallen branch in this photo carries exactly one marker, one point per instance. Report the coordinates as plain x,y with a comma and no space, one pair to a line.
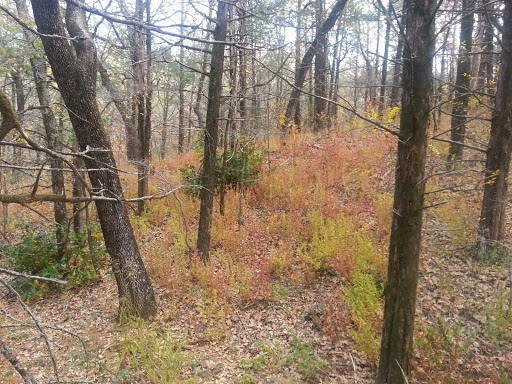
19,274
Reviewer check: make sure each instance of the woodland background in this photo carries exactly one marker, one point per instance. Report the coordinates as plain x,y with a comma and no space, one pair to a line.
255,191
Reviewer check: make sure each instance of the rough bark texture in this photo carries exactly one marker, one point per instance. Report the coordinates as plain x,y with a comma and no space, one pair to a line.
9,120
75,75
307,60
492,217
405,241
462,81
16,364
211,134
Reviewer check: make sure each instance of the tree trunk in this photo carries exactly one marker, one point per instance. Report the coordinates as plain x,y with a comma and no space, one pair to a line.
132,141
211,134
298,35
486,71
38,65
462,81
181,91
144,118
320,71
405,241
307,60
383,78
492,216
75,73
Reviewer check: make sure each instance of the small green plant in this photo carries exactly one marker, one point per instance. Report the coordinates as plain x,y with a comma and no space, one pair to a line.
37,254
301,359
213,316
441,348
363,297
246,379
148,354
305,360
498,324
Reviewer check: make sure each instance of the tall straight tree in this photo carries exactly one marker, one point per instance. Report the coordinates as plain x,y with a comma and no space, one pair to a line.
405,241
75,68
462,93
492,216
212,132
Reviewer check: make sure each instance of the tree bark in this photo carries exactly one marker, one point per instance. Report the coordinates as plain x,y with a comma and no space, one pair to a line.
132,141
51,128
405,241
75,73
16,363
384,74
320,105
492,216
211,134
462,81
486,70
307,60
181,117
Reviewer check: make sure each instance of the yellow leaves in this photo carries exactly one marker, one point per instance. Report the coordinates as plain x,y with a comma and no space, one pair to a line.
392,114
492,178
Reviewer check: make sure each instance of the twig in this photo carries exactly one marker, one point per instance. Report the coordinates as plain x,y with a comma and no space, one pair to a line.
354,366
38,325
33,277
403,373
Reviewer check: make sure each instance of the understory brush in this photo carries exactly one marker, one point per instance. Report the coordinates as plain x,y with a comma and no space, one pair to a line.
155,355
37,254
298,360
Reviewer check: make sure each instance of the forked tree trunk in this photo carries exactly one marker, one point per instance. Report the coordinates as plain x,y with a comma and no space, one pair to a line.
494,204
302,71
405,241
75,73
462,81
211,134
320,105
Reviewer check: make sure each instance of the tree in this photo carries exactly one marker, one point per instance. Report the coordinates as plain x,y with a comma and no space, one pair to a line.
462,92
405,241
320,105
211,133
494,203
307,59
39,70
75,69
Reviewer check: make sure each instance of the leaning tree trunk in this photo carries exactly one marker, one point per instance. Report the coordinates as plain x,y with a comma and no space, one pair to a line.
320,105
405,241
494,204
211,134
75,73
307,60
462,82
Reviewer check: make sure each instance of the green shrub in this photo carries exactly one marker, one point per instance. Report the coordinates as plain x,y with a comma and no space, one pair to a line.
153,356
37,254
240,167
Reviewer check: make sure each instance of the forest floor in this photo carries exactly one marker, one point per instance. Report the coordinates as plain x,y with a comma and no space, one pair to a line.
285,298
